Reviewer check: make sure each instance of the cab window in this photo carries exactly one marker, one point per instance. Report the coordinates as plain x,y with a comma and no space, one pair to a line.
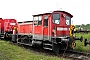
45,20
68,20
38,20
56,18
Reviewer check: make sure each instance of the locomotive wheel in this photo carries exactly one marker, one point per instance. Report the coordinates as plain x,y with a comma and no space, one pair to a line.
6,36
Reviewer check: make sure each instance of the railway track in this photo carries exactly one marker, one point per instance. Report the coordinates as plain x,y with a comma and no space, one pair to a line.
70,54
75,55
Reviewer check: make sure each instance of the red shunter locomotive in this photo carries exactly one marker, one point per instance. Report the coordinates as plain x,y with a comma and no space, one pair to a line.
51,31
6,27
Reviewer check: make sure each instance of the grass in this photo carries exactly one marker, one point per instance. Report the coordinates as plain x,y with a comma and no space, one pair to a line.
12,52
80,45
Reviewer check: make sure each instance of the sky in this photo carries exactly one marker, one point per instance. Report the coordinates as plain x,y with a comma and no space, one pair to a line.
22,10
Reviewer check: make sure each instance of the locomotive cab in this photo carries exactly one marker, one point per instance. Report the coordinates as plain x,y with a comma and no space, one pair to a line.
62,31
61,22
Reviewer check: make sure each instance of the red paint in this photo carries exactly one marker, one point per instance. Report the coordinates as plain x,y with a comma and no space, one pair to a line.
41,30
1,24
25,28
8,24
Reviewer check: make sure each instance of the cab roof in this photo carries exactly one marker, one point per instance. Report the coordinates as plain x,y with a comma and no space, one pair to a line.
41,14
53,12
64,12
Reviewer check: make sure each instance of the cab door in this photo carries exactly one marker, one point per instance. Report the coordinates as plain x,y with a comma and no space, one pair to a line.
45,28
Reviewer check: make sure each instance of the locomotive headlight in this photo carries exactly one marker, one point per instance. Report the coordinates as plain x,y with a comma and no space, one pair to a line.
54,31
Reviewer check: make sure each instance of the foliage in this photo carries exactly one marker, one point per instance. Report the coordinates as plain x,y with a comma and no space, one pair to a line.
80,45
87,26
